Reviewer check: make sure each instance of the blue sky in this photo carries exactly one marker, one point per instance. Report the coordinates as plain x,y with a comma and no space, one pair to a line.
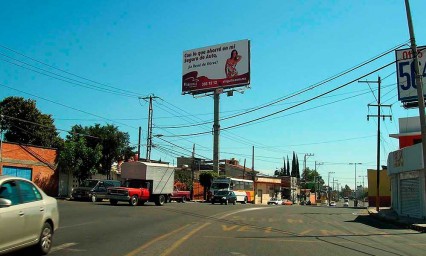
137,46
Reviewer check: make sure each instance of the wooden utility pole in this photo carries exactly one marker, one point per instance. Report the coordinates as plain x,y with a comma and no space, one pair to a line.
378,105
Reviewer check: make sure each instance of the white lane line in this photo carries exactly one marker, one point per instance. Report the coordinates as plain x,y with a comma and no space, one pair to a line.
62,247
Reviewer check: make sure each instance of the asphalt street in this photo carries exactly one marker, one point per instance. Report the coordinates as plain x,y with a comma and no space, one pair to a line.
203,229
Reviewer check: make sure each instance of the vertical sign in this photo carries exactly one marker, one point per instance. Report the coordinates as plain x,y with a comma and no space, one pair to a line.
406,79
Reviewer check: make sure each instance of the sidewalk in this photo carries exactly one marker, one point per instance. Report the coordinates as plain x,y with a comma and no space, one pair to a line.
388,215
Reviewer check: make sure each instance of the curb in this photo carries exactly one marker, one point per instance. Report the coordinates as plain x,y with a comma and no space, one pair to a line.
398,222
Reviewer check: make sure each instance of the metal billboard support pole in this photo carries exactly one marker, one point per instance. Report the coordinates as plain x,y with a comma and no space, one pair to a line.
420,97
216,129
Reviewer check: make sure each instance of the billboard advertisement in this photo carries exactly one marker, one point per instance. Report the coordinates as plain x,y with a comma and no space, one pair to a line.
407,90
219,66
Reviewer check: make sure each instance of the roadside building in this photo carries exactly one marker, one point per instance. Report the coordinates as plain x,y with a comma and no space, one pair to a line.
405,168
266,187
38,164
289,188
384,188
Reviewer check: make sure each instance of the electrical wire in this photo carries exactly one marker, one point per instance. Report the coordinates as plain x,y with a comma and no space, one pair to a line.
296,105
63,105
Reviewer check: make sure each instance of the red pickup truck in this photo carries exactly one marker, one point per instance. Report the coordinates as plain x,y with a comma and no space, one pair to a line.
180,195
144,182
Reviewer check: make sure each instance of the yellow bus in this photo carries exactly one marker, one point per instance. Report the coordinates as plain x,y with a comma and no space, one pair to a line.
243,189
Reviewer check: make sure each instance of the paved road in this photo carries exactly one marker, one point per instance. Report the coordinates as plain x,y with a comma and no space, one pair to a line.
205,229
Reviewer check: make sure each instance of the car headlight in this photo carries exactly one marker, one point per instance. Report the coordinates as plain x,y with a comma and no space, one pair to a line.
223,197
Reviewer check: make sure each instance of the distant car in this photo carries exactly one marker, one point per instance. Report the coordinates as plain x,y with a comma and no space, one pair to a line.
332,203
345,204
93,189
29,217
308,203
224,197
287,202
275,201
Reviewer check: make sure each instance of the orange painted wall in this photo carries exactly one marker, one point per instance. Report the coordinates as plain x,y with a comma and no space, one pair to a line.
42,162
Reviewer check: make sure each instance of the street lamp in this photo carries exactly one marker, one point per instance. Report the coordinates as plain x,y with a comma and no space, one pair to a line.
328,186
355,178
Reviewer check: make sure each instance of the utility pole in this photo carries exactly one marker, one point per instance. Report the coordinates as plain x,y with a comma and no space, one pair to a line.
244,170
252,164
149,136
355,194
328,187
139,144
304,163
419,85
216,130
192,171
378,105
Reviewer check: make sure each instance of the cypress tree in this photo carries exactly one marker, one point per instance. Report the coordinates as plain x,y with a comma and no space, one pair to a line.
288,167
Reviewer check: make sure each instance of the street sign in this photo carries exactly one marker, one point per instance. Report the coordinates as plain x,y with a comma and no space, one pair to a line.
406,80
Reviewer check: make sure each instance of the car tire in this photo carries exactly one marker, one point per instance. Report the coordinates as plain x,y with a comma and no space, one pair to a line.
245,200
113,202
226,202
45,241
134,200
94,198
183,199
234,202
212,202
160,200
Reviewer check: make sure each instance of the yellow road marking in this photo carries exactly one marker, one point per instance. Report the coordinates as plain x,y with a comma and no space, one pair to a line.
226,228
139,249
183,239
305,232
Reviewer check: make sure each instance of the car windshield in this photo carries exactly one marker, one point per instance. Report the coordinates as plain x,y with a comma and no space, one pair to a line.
222,193
89,183
220,186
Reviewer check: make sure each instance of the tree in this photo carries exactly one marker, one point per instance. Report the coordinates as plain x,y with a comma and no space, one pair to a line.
24,123
293,166
184,176
113,143
206,179
79,159
288,167
297,168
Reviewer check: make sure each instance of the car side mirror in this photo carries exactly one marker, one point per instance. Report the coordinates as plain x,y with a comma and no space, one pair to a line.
5,202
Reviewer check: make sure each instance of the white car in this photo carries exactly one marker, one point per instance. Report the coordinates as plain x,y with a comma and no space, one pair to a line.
346,204
332,203
275,201
28,217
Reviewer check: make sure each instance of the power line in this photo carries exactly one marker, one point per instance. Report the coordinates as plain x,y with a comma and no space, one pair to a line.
64,71
296,105
312,86
63,105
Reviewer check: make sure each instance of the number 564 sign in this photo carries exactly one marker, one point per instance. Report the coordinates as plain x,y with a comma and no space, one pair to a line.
407,89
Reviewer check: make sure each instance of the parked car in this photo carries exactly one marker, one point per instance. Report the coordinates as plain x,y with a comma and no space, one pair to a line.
92,187
332,203
275,201
224,197
29,217
287,202
99,192
345,204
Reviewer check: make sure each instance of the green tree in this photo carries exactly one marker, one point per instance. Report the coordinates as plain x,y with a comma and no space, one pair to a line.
113,143
206,179
24,123
79,159
184,176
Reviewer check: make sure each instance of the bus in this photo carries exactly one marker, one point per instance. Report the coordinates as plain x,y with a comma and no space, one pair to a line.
243,189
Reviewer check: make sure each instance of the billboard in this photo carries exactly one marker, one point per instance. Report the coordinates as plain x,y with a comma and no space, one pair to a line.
219,66
406,80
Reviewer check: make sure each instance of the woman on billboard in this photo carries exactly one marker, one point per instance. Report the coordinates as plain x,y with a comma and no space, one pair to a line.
231,64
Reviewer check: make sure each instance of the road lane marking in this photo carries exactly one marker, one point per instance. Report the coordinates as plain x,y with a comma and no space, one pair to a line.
226,228
183,239
77,225
186,237
62,247
139,249
305,232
